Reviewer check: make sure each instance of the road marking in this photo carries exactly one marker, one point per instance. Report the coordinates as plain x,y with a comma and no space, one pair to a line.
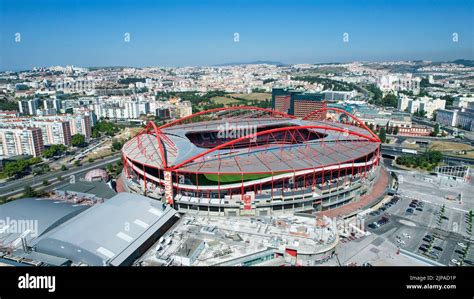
458,209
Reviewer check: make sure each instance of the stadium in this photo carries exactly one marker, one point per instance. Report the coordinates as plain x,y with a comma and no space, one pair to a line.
254,161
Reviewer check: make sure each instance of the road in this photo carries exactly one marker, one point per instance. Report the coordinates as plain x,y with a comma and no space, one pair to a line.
394,150
17,186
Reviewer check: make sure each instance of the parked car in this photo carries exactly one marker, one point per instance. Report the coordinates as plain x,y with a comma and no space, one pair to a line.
456,262
427,240
409,211
372,226
462,245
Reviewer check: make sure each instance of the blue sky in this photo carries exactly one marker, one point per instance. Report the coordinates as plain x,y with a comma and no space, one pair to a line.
179,32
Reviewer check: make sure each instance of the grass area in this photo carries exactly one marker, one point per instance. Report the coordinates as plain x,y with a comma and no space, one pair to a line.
233,178
224,100
453,148
128,133
99,153
410,145
255,96
241,98
446,146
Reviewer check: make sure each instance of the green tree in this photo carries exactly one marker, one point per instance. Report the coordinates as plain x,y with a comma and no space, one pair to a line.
63,167
28,191
383,135
436,130
395,130
45,182
78,140
390,100
420,113
54,150
117,144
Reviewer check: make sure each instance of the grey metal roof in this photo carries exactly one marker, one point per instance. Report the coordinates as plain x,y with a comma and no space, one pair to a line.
34,214
270,158
97,188
107,233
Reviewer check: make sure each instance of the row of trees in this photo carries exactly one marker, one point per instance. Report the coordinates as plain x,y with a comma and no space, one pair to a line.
427,160
15,168
55,150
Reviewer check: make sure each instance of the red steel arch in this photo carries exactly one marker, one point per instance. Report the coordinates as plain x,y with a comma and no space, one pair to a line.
293,128
161,139
273,112
345,112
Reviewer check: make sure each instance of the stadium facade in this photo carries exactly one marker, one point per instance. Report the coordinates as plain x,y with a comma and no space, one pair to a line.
254,161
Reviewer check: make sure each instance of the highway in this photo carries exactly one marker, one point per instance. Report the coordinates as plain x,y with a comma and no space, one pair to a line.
17,186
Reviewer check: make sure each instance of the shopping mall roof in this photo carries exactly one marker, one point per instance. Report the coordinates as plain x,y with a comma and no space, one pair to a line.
32,217
110,233
95,188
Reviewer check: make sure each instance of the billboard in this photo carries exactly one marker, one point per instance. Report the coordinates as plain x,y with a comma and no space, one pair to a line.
168,187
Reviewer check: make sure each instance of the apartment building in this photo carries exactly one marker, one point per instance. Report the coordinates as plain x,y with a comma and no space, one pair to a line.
21,141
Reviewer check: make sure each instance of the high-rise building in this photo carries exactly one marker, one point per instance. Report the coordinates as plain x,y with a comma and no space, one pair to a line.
28,106
184,109
54,132
132,109
21,141
297,103
403,101
52,104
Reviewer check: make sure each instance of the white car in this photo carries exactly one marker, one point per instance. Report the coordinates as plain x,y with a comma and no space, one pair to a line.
406,235
456,262
462,245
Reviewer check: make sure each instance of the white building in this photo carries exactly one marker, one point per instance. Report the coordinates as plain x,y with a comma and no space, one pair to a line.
132,110
21,141
463,118
398,82
447,117
339,95
403,101
426,104
183,109
463,102
54,132
28,106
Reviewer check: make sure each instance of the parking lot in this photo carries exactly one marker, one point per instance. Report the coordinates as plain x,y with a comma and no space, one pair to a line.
429,226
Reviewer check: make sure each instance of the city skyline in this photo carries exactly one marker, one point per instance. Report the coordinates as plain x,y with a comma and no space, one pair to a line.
185,33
